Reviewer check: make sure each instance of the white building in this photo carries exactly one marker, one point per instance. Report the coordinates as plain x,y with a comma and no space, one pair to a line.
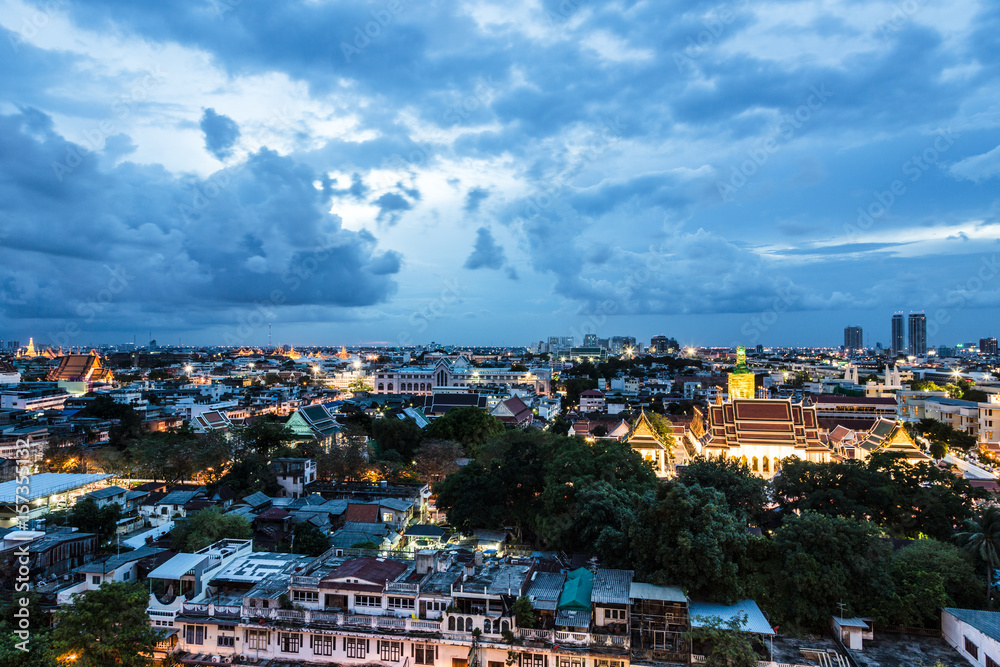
973,633
457,373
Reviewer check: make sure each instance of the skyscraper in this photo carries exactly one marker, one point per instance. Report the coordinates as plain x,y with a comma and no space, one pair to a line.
853,338
917,335
988,345
897,341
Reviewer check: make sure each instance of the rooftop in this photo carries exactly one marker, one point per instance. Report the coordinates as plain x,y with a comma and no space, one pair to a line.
47,484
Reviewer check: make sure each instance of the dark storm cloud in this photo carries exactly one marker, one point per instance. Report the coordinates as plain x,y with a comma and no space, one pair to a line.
108,244
486,254
221,133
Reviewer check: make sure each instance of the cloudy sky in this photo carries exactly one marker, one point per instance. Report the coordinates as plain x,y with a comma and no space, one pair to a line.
498,172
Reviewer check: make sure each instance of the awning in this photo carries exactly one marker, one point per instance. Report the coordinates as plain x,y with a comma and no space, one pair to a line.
178,566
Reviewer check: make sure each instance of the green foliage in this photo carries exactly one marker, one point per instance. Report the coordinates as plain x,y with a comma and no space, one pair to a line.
106,626
129,423
524,614
926,576
360,386
468,426
939,449
38,654
397,435
724,644
309,540
745,492
936,431
365,545
436,459
202,528
86,516
577,385
687,536
250,474
823,561
981,538
537,483
664,430
262,437
906,499
347,461
170,455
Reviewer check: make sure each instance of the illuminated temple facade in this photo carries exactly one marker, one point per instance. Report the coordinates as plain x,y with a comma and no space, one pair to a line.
741,379
761,432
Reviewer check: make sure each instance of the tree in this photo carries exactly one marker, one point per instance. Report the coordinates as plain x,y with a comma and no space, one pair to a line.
207,526
106,626
688,535
262,436
86,516
437,458
469,426
745,492
926,576
250,474
981,538
347,461
37,644
939,449
524,613
213,456
272,379
359,386
66,458
398,435
308,540
129,423
724,644
824,561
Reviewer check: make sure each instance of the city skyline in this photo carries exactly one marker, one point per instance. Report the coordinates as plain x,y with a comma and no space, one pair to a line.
724,174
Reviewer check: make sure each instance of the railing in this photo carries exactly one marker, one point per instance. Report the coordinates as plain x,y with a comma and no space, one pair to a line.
402,587
532,633
618,641
572,637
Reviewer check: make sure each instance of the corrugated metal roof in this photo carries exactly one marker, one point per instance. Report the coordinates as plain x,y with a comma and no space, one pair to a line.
178,566
640,591
611,586
573,618
47,484
851,622
987,622
755,621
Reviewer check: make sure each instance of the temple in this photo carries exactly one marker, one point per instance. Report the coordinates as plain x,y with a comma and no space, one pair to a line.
761,432
742,382
644,439
80,368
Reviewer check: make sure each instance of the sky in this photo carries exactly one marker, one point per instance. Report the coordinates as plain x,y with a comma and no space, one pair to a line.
497,172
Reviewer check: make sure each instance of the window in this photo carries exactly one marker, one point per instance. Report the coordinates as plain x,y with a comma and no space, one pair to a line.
533,660
971,649
368,600
424,654
96,579
289,641
614,614
322,644
226,640
990,662
126,576
356,647
257,640
401,603
194,634
390,651
305,596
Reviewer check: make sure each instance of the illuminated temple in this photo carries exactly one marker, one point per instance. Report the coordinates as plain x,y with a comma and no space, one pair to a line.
741,379
86,368
761,432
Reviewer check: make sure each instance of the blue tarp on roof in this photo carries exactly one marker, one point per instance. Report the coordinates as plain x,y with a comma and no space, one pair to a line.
701,612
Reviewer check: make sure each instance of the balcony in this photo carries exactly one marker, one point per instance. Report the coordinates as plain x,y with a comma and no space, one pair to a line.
619,642
307,617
